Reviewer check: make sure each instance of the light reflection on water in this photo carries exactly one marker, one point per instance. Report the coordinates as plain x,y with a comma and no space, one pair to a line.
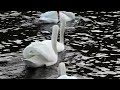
92,50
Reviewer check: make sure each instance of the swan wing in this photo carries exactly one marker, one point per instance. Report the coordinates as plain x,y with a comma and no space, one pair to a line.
29,51
43,50
48,20
65,16
71,15
49,17
50,14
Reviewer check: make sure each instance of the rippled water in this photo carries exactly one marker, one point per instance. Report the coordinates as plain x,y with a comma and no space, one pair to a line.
92,47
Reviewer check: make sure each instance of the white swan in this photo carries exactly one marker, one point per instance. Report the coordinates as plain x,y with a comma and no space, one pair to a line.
62,72
40,53
52,16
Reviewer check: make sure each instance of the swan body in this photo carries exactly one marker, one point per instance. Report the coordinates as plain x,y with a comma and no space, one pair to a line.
34,57
62,72
40,53
52,16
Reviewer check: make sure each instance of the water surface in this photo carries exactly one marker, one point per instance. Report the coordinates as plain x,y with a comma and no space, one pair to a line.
92,46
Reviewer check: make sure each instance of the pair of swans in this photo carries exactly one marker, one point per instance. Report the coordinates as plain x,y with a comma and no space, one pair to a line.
62,72
52,16
42,53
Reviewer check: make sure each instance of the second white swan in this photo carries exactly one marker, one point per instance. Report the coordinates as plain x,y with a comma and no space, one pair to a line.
52,16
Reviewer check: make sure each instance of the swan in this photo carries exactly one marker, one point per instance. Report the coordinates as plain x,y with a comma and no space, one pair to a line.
62,72
38,53
52,16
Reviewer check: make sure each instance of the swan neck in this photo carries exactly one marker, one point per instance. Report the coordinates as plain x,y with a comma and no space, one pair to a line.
58,14
54,37
62,29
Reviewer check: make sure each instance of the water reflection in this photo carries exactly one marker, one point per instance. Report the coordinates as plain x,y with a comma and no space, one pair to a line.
92,47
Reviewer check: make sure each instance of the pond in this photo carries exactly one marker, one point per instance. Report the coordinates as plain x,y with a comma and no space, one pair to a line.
92,47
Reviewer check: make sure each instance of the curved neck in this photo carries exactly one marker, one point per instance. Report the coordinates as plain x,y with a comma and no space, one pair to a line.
61,69
55,30
62,29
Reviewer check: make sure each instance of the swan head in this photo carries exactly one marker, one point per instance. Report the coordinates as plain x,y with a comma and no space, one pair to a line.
61,69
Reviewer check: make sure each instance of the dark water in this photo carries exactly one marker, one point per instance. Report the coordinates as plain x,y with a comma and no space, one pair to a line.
92,47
